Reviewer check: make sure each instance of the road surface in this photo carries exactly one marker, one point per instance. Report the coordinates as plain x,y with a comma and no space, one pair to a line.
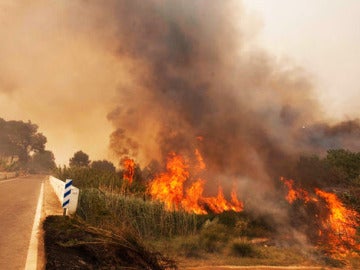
18,201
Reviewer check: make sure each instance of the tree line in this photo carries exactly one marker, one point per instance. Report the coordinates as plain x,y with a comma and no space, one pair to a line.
22,147
81,160
339,167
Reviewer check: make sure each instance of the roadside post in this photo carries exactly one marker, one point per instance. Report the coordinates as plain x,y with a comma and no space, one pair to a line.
67,193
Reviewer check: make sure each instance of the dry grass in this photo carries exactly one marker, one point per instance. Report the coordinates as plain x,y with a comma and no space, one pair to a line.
73,244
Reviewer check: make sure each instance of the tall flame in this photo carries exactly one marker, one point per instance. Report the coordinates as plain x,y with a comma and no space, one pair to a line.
168,186
295,193
178,190
129,170
337,232
341,224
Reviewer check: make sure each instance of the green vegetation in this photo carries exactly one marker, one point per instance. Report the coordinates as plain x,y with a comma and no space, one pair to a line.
85,177
340,168
224,238
101,175
80,159
243,249
103,165
22,147
148,218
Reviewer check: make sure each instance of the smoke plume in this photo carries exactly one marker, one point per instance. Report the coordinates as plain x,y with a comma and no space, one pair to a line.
170,76
195,77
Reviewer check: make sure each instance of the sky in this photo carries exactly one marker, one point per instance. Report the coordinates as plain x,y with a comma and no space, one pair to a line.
42,68
321,36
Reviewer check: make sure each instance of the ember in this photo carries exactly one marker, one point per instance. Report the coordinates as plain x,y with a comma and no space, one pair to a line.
170,188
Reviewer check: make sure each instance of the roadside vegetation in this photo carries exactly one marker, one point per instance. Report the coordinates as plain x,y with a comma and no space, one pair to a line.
107,202
115,213
23,148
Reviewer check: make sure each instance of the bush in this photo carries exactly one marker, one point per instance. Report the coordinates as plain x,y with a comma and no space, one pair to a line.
103,165
191,247
229,218
213,236
243,249
84,177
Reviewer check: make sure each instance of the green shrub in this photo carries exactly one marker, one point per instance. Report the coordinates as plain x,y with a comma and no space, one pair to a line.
213,236
191,247
84,177
229,218
243,249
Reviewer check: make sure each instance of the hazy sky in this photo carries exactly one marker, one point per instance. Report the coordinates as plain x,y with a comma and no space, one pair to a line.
322,36
42,64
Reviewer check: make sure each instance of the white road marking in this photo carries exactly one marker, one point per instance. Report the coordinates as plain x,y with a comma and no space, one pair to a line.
9,180
32,255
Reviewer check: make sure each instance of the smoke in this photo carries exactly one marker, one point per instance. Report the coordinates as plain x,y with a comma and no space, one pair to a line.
198,84
53,74
170,76
194,75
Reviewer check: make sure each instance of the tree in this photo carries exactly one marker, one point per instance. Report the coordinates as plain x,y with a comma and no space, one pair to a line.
42,162
80,159
310,171
346,161
19,140
103,165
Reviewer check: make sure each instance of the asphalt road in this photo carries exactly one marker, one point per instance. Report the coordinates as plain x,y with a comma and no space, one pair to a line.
18,201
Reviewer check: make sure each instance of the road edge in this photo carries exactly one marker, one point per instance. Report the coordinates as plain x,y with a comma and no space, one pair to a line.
32,255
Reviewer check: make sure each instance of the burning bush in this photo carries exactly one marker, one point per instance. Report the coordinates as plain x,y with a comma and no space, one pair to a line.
324,218
180,189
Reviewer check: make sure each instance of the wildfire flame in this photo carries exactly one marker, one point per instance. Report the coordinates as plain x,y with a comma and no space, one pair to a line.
295,193
341,224
129,170
178,190
337,229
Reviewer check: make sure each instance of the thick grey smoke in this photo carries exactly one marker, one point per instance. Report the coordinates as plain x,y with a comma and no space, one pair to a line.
186,77
194,75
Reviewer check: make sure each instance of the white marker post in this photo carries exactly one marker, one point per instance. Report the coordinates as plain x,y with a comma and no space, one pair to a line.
67,193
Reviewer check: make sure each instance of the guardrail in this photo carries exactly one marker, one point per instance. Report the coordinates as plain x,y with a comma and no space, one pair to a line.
59,187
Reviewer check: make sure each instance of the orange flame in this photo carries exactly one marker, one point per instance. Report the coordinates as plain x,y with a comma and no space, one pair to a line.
129,170
341,224
219,204
202,165
338,228
295,193
177,190
168,186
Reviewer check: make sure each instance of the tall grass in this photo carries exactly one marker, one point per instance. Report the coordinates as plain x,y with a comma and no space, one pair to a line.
84,177
148,218
104,202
